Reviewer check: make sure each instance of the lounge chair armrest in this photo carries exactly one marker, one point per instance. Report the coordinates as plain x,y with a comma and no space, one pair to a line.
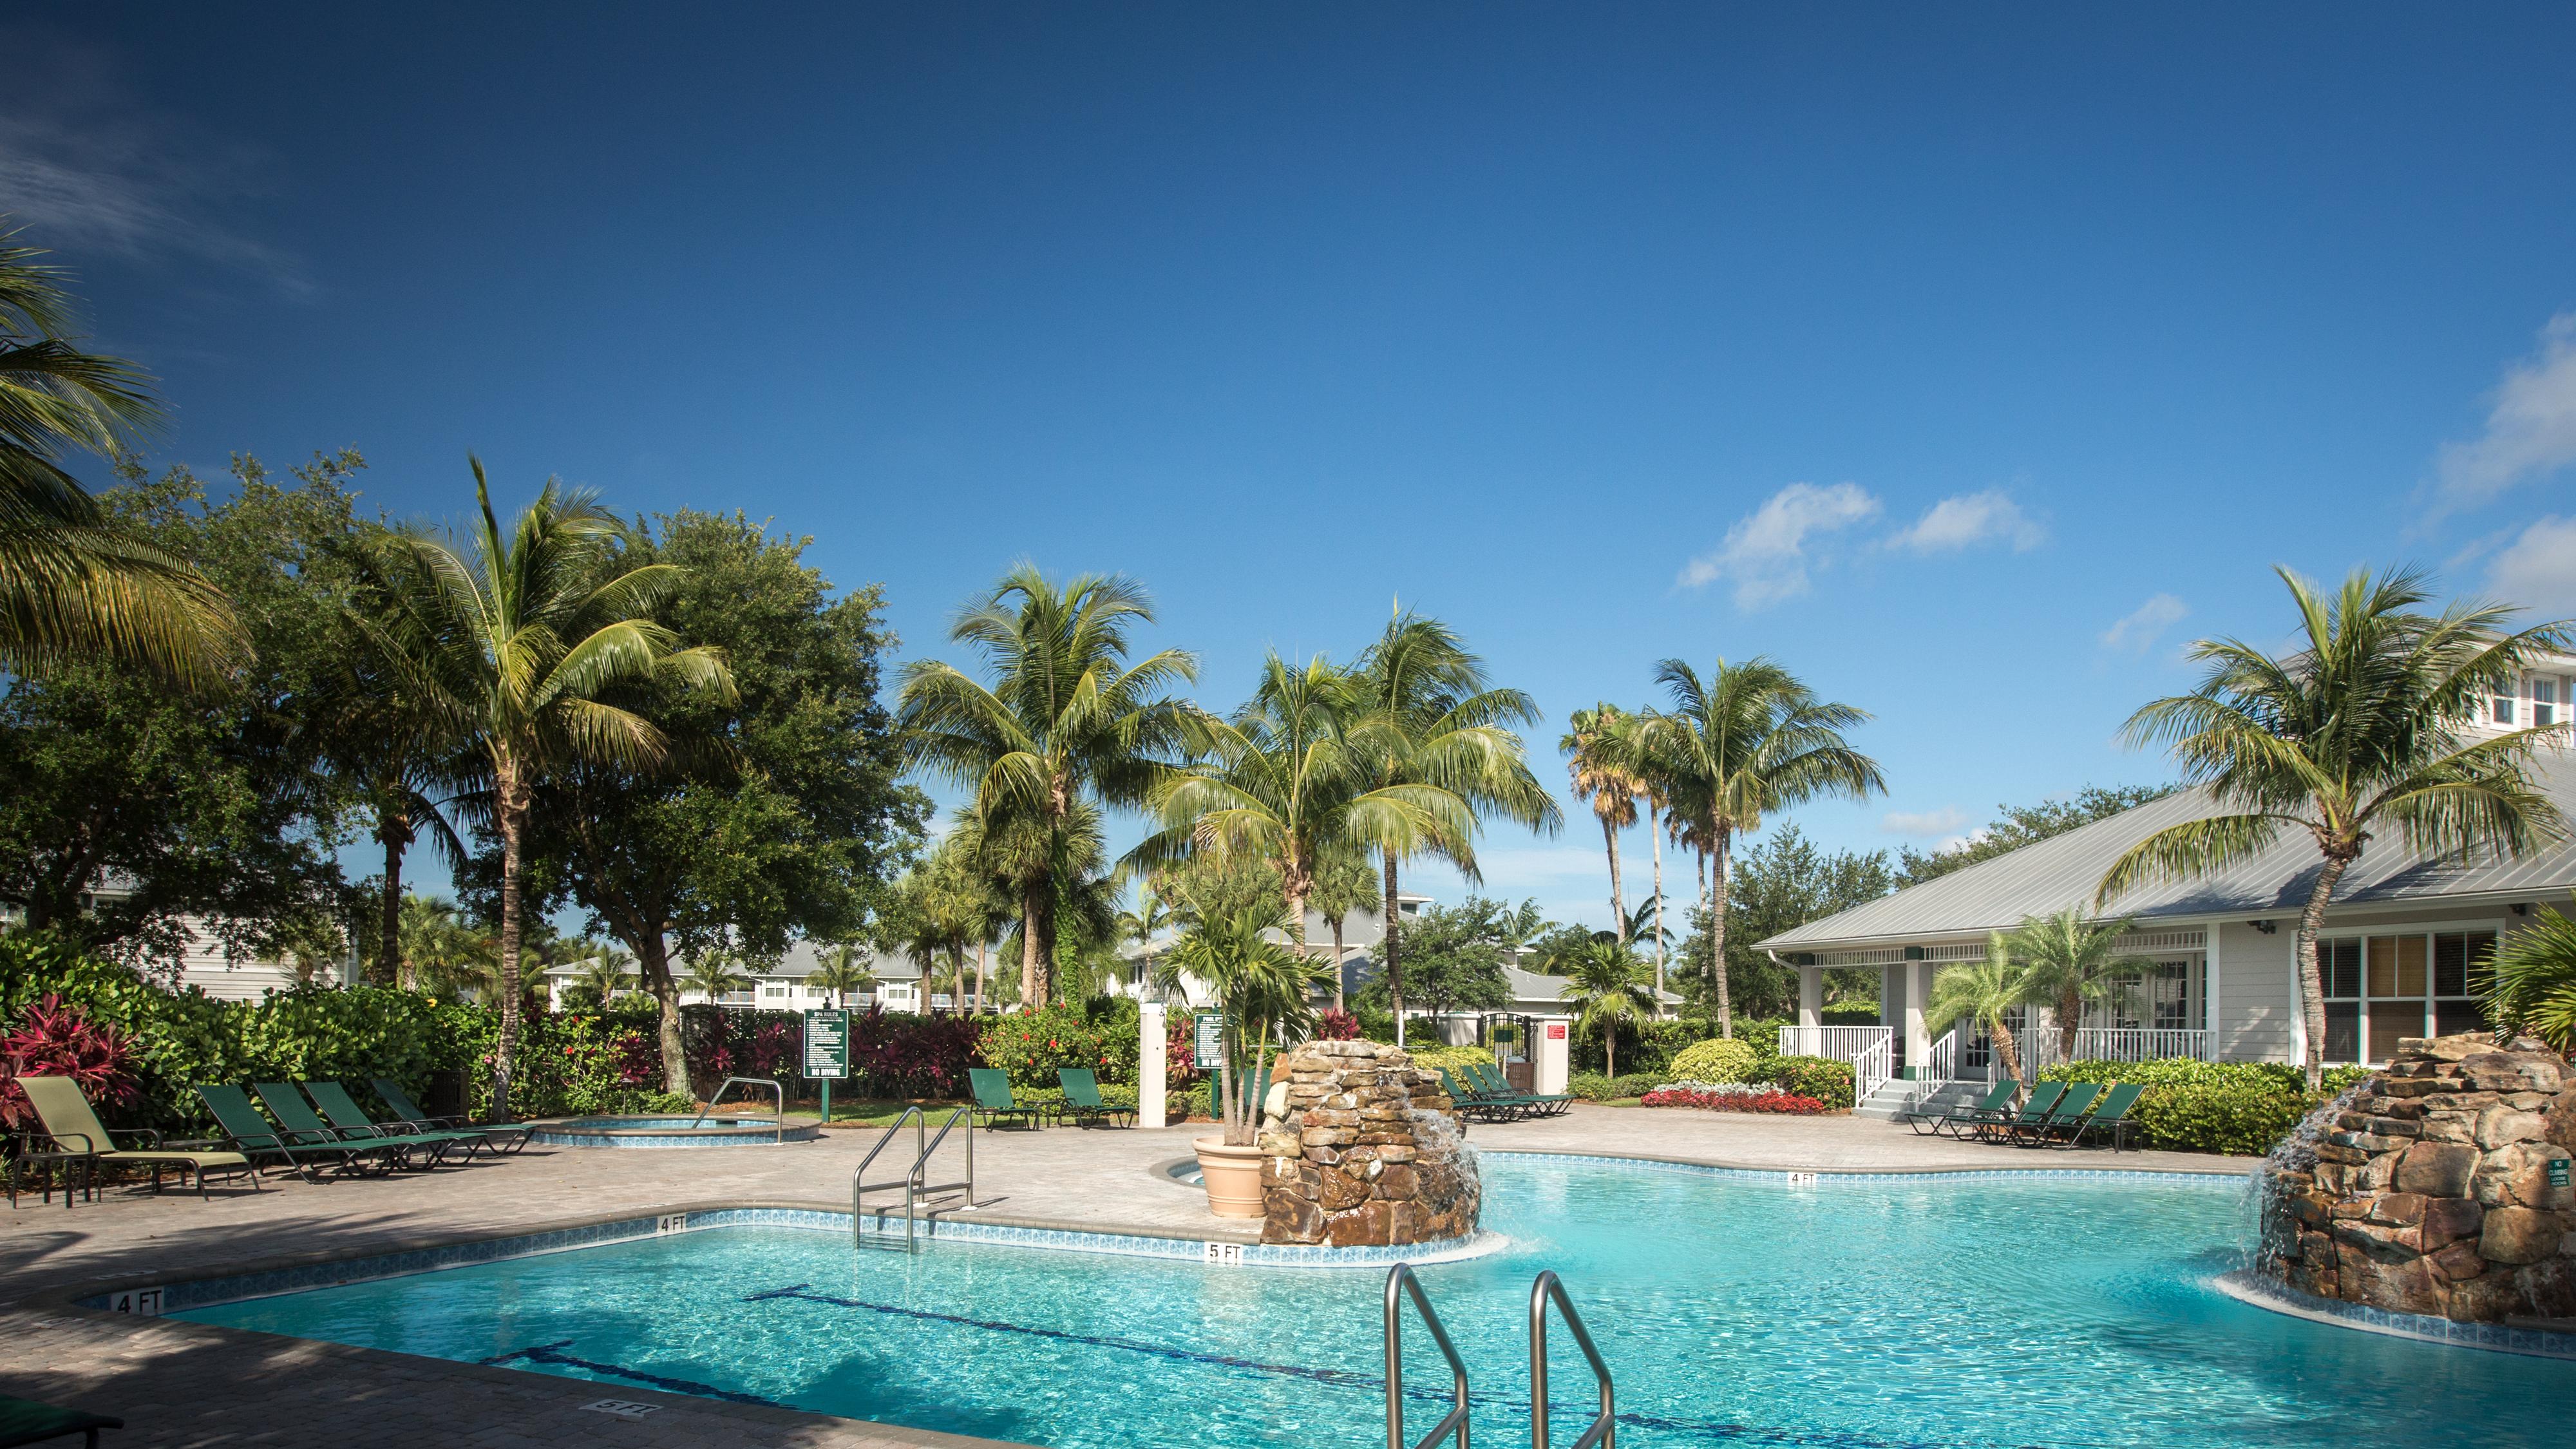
149,1137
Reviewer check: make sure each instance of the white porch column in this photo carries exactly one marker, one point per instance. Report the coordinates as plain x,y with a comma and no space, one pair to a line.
2209,994
1548,1054
1811,1010
1151,1039
1918,1042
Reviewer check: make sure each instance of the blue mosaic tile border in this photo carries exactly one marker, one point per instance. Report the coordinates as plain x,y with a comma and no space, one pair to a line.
2494,1337
1781,1177
206,1292
652,1140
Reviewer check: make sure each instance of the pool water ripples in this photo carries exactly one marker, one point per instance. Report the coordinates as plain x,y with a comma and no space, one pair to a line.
1864,1316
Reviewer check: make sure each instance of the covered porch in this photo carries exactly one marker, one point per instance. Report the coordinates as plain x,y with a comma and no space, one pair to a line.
2165,1010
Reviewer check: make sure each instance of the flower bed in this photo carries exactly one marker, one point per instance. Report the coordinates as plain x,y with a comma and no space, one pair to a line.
1733,1097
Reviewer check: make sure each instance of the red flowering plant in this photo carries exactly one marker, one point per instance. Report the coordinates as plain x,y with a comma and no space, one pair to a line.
1031,1045
1337,1026
54,1039
1770,1099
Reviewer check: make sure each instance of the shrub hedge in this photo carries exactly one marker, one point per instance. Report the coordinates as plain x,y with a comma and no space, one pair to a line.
1594,1087
2240,1108
1826,1080
1717,1060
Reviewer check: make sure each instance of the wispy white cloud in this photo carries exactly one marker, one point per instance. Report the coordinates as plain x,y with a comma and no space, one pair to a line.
1968,519
2530,431
87,168
2138,630
1923,824
1767,553
2538,570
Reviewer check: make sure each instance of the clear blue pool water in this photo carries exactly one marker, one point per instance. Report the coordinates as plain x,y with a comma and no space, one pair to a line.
2000,1312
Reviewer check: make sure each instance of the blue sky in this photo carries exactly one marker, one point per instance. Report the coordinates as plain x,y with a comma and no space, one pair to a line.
1971,362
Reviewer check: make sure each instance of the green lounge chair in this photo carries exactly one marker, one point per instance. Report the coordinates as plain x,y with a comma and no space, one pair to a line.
2067,1116
993,1104
2034,1110
251,1134
1957,1120
2112,1117
1497,1087
24,1421
76,1135
497,1136
350,1119
1082,1100
285,1101
1474,1105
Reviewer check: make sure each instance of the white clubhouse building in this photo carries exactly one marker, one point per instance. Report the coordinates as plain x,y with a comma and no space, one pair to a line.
2396,953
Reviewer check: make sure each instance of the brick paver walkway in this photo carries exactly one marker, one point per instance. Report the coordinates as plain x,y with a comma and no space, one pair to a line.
188,1386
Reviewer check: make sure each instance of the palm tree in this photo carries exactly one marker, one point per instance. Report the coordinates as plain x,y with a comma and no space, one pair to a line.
1748,741
1597,757
74,585
1064,717
714,977
2531,981
604,974
1606,987
2067,961
1261,987
1986,992
1433,719
1150,917
2359,730
1343,884
841,969
442,952
512,652
1288,782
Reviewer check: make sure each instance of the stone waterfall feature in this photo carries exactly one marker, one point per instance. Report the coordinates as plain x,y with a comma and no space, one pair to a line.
2439,1186
1362,1149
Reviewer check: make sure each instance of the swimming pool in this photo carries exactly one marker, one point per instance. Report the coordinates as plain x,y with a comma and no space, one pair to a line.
672,1132
1859,1314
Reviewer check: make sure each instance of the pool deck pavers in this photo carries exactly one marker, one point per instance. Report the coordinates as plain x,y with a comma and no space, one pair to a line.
190,1386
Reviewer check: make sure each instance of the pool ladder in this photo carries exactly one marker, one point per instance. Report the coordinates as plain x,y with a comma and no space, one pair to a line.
1401,1284
914,1188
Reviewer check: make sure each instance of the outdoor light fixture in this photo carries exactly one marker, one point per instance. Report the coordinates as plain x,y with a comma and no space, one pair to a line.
2266,927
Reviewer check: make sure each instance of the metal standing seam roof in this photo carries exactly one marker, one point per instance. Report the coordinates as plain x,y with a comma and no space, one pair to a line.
2064,870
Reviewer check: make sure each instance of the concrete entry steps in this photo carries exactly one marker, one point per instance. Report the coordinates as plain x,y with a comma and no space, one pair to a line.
1896,1100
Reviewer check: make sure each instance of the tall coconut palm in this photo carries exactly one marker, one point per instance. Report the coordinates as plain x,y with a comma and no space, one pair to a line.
714,976
2363,728
1343,884
840,969
512,652
1596,756
2530,982
1287,781
1748,741
1434,719
1606,988
2067,961
73,584
1062,719
1986,992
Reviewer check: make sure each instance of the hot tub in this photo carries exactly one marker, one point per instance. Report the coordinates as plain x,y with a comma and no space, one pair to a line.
672,1132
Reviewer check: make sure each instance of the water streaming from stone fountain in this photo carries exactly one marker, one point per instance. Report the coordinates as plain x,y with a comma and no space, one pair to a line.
1363,1149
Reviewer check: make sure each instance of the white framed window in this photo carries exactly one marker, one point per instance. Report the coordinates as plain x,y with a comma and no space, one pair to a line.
773,991
2503,711
2544,700
2383,986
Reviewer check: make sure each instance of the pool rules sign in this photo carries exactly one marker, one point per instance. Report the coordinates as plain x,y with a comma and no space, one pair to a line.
827,1045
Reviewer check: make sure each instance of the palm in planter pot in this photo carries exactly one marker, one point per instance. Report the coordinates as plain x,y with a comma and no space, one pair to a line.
1260,987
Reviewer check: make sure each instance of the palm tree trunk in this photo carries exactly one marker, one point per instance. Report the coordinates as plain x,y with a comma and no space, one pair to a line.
1394,970
395,831
2008,1050
982,996
1618,897
510,804
2312,993
1032,898
1717,932
1609,1051
1655,838
2070,1018
1337,964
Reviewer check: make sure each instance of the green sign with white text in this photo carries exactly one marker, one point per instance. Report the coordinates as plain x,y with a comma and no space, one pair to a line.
827,1044
1209,1046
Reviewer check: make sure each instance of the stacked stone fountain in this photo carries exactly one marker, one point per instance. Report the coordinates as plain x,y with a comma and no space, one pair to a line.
2439,1186
1362,1149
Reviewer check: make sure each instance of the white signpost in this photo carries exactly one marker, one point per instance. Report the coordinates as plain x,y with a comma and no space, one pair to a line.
1153,1040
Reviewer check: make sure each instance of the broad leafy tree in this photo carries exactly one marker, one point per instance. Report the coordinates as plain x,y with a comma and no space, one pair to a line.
516,650
1746,742
1062,719
1454,957
2015,826
778,811
2362,729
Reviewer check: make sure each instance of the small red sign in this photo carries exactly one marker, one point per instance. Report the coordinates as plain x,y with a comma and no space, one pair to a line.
1556,1031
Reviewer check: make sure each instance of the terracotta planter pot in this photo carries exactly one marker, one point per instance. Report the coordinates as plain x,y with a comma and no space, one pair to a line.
1233,1177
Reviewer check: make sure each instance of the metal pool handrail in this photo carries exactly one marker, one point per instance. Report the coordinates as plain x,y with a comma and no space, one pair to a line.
1605,1425
780,1135
1400,1283
912,1184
